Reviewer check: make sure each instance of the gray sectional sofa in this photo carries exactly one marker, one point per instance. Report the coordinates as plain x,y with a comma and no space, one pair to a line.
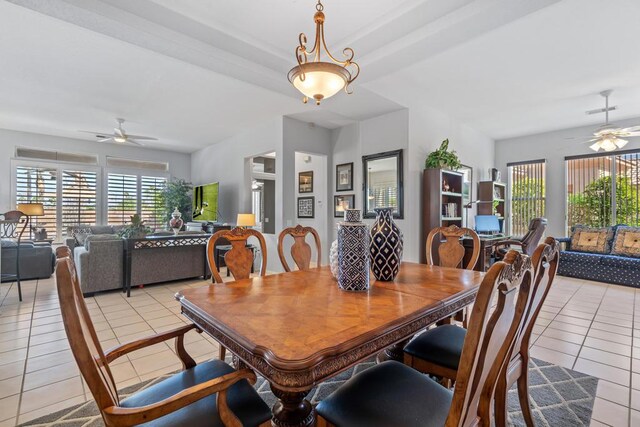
99,254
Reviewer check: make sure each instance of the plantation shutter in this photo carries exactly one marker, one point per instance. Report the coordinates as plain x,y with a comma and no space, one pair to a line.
35,184
152,208
79,192
122,193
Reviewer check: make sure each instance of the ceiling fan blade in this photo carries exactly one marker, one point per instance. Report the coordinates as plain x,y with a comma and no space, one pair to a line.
105,139
142,137
118,132
632,129
94,132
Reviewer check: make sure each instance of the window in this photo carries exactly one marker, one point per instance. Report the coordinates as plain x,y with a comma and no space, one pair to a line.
603,190
152,208
79,203
122,193
35,184
527,194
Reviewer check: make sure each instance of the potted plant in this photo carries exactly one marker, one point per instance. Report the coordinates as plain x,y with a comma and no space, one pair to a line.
177,194
136,229
442,158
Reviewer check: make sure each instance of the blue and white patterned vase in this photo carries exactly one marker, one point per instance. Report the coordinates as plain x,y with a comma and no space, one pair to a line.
353,253
386,246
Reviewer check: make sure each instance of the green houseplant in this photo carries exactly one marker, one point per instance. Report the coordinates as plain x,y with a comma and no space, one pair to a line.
135,229
178,193
442,158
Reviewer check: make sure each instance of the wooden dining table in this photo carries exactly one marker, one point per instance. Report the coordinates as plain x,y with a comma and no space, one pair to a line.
298,329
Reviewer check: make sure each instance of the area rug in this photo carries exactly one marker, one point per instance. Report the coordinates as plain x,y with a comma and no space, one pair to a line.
559,397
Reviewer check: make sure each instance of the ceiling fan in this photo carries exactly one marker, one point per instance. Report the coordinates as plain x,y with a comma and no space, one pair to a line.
119,136
607,137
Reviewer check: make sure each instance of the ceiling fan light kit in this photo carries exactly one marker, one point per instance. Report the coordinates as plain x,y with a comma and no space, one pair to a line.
320,79
607,137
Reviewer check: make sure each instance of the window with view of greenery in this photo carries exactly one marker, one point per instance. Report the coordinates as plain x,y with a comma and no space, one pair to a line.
603,190
527,194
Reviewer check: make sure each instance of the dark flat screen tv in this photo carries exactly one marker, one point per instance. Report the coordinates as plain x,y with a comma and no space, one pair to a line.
205,202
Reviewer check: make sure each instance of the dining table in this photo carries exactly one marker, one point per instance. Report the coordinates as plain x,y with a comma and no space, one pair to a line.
297,329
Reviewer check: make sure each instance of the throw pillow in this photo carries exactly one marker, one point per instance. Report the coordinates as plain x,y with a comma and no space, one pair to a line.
100,237
596,240
82,231
81,238
627,242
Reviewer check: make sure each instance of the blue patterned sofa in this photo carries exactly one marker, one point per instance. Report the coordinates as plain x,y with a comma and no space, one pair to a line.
609,262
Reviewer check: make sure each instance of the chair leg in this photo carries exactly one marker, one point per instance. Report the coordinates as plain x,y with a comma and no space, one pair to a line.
223,352
500,403
523,396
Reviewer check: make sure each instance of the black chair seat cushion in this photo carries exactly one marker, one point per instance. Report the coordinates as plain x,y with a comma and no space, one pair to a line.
441,345
388,394
243,400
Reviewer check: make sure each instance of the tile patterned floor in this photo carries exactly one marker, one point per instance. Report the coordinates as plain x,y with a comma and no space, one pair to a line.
586,326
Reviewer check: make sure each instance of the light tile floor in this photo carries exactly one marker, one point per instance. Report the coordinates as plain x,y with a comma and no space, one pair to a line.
586,326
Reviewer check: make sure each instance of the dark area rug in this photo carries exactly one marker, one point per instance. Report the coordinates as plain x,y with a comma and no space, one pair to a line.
559,397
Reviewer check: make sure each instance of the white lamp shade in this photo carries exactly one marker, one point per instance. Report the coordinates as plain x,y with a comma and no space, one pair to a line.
246,220
31,209
319,80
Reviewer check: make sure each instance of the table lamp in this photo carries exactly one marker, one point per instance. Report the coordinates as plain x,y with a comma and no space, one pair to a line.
246,220
29,210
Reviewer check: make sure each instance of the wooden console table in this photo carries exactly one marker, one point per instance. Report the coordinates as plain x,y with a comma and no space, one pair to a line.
158,243
298,329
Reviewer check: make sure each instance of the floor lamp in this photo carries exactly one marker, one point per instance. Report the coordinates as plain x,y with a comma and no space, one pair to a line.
29,210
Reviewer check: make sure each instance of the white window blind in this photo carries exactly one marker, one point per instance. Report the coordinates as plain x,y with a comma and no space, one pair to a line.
122,194
527,194
36,184
152,209
79,192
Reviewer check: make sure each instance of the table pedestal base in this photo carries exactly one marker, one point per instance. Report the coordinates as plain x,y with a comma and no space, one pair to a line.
292,409
395,352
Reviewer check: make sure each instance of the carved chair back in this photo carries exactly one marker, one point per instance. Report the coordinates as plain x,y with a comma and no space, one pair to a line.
490,339
545,265
300,250
13,225
239,259
83,340
534,234
451,252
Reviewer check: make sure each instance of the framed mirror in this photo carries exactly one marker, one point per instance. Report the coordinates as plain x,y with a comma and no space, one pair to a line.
383,183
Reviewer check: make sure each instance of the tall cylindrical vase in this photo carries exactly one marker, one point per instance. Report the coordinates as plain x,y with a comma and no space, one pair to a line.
386,246
353,253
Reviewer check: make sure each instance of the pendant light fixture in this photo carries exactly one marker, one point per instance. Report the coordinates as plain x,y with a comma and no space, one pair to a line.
315,77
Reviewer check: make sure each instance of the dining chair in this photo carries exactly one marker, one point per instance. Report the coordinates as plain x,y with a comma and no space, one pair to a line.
208,394
300,250
393,394
451,254
239,259
527,243
438,351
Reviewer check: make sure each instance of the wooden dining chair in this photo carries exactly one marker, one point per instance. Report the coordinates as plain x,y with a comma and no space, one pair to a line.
211,393
450,251
393,394
300,250
438,351
545,261
239,259
451,254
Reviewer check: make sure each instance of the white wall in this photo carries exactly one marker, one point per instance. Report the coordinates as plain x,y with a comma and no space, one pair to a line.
418,130
179,163
553,147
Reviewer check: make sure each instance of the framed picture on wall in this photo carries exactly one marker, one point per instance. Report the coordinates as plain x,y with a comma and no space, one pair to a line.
305,182
306,207
342,202
344,177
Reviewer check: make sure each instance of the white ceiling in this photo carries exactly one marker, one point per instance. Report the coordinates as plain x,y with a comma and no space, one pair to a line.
193,72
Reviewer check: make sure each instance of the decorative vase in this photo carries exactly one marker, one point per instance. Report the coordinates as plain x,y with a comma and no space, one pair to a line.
386,246
176,221
353,257
333,259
